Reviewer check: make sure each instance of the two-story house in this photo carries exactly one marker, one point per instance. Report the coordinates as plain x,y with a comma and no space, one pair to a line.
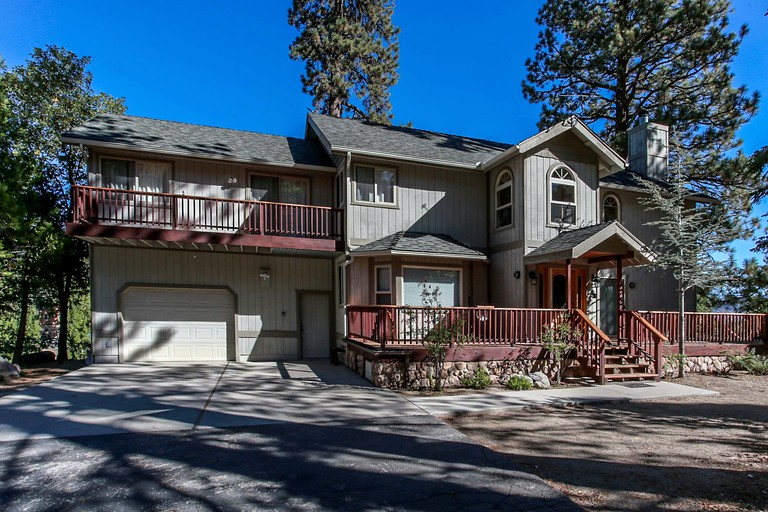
216,244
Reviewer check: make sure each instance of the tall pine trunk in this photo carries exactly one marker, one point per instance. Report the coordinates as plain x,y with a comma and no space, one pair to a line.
21,334
64,294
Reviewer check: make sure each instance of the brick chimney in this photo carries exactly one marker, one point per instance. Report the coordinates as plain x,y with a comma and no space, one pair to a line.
649,149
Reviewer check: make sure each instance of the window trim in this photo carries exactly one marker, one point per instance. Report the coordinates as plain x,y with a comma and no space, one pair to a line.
376,291
618,207
381,204
572,182
341,281
401,290
279,177
509,184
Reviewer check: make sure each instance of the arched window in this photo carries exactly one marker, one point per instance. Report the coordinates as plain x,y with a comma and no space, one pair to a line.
611,209
504,199
562,196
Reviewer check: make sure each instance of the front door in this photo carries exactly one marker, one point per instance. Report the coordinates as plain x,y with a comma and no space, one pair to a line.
315,327
558,289
608,312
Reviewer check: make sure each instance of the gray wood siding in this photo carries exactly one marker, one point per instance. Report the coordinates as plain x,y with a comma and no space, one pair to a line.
429,200
208,178
506,291
269,310
515,232
536,189
654,289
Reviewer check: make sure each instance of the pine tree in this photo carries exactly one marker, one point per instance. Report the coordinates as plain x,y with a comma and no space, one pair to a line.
690,236
608,62
351,52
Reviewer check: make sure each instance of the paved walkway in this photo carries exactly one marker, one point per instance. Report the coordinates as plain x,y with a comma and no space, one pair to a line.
478,402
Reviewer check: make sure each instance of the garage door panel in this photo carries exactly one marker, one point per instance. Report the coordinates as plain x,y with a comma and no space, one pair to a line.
177,324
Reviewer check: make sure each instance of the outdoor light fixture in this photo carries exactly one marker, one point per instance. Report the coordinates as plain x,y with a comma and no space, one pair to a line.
266,276
532,276
517,274
632,284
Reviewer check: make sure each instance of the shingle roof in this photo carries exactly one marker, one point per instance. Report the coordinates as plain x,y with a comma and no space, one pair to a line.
628,179
350,134
407,241
568,240
169,137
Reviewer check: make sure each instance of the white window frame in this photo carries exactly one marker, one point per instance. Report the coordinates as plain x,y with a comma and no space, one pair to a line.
376,291
561,181
377,169
618,207
498,188
401,289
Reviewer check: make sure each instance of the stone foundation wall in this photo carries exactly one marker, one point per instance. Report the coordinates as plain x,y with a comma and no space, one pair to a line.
698,364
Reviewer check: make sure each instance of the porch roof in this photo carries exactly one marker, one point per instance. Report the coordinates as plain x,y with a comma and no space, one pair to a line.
419,244
599,245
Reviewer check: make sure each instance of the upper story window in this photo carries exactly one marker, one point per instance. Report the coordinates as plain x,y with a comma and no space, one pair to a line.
504,200
375,185
611,208
138,175
275,189
562,196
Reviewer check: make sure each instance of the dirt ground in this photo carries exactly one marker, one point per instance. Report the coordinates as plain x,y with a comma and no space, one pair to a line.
37,374
697,453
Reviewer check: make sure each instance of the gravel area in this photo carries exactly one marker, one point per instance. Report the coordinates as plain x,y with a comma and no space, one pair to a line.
695,453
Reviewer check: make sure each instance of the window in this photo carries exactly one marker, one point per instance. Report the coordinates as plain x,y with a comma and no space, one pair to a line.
383,285
611,209
135,175
504,200
374,185
562,198
446,282
275,189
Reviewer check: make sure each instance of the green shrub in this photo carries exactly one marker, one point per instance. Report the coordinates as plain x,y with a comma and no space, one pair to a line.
480,380
750,362
519,383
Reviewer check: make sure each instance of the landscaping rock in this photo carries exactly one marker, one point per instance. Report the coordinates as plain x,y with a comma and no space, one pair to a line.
42,357
8,371
540,380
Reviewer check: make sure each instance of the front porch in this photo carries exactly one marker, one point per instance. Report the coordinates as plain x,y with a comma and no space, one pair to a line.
512,337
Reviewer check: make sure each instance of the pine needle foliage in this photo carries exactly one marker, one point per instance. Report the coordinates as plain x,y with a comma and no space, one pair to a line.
350,49
611,61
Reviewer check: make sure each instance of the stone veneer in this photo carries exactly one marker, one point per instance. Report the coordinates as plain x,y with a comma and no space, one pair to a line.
390,372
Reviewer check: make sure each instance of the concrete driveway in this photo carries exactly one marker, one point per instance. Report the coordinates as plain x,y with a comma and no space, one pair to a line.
243,436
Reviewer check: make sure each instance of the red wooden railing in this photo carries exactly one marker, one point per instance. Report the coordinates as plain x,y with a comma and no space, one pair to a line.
591,343
95,205
710,327
644,339
405,326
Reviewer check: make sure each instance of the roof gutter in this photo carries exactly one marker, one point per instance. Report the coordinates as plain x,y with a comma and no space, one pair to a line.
421,254
186,154
510,151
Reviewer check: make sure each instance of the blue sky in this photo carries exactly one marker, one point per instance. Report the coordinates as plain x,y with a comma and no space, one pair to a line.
226,63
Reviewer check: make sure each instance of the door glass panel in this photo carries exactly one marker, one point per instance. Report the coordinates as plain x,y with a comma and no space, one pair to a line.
294,191
559,295
265,188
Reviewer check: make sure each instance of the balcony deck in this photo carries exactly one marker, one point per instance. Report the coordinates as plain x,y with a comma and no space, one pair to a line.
181,219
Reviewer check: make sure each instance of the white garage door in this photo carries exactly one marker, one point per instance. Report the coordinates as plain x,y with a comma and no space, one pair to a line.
163,324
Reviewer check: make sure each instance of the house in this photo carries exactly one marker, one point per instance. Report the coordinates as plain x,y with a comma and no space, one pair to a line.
208,243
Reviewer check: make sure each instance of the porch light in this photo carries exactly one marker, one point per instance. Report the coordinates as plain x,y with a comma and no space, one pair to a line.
532,277
266,276
517,274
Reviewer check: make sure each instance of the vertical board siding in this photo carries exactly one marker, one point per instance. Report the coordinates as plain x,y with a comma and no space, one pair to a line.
429,200
258,308
506,291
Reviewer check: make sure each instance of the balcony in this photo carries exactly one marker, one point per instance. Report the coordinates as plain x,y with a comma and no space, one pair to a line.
181,219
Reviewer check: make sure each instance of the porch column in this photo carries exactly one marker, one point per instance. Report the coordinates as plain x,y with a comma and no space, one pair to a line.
568,300
619,296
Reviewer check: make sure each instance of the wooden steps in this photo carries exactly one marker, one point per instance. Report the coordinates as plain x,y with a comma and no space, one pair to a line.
621,366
